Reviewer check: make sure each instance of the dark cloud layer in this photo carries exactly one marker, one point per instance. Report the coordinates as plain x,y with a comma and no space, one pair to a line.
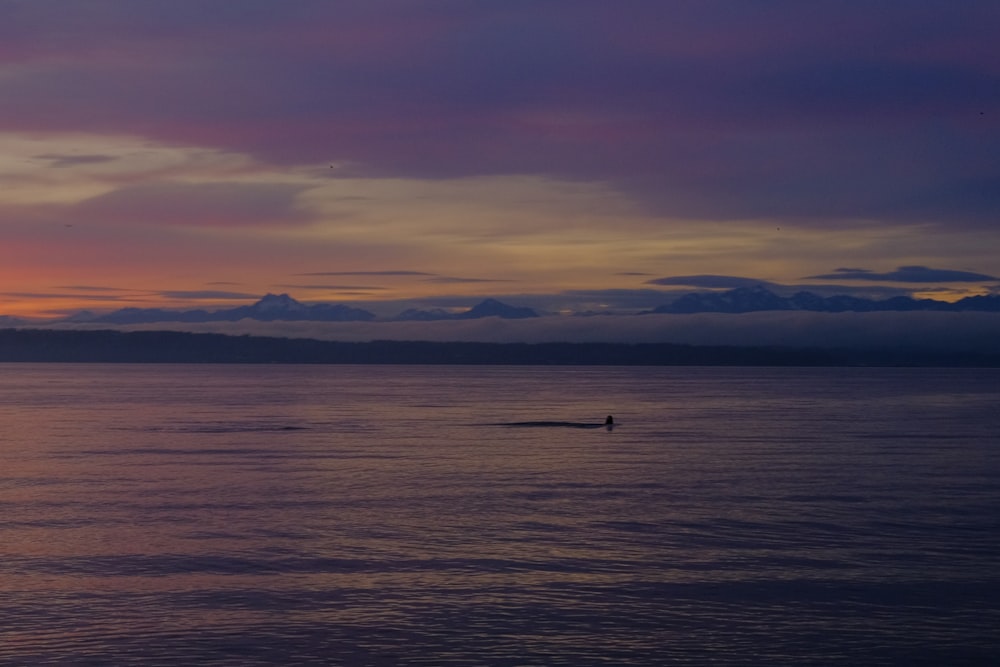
718,109
907,274
62,161
454,280
209,295
366,273
709,281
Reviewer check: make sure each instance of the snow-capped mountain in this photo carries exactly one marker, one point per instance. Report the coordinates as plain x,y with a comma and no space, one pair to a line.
272,307
754,299
485,308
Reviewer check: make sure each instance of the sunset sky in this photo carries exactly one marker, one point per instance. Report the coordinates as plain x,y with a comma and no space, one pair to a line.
569,155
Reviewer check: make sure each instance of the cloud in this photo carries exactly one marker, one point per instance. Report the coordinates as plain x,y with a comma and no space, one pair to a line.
218,204
210,295
93,288
62,161
456,280
55,296
365,273
907,274
714,110
695,141
339,288
424,276
710,281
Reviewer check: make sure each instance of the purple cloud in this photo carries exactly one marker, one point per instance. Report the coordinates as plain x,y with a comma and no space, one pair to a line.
62,161
717,109
907,274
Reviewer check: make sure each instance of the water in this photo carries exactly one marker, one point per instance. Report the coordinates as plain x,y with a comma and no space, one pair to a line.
336,515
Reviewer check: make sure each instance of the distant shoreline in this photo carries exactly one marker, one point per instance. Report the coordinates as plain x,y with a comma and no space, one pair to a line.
109,346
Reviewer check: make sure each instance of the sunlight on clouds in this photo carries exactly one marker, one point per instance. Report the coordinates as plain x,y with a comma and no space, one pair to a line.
520,227
211,218
471,208
543,234
770,251
70,167
514,227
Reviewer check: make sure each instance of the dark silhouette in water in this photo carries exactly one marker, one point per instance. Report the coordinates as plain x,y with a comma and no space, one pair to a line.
609,424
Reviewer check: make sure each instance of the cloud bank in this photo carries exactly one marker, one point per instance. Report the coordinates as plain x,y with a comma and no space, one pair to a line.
908,274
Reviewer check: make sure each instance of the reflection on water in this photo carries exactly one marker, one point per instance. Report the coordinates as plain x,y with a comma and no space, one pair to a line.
246,515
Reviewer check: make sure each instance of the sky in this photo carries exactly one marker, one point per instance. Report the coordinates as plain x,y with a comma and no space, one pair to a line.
569,155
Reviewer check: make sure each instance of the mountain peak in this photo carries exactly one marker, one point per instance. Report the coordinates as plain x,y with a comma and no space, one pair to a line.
272,307
277,302
494,308
485,308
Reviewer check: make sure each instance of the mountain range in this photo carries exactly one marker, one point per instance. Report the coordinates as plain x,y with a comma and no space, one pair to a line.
487,308
759,298
272,307
282,307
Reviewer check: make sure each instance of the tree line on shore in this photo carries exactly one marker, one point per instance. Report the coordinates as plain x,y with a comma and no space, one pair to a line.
106,346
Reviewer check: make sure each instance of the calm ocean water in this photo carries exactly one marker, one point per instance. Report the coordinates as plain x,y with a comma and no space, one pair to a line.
337,515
